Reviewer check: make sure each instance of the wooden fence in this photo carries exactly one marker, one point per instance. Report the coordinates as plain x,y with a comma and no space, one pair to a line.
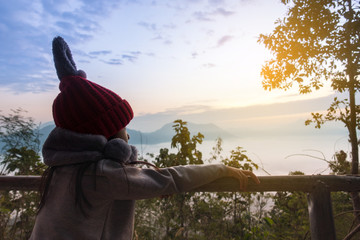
318,188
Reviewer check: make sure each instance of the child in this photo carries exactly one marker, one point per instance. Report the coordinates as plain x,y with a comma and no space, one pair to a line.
90,189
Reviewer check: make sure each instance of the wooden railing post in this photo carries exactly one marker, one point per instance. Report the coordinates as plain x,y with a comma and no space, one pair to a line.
322,225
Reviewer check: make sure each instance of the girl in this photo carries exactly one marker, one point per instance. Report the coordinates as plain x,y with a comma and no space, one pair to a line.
90,186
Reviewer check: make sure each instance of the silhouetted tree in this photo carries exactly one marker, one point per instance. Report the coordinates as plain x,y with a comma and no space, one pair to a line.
318,41
20,156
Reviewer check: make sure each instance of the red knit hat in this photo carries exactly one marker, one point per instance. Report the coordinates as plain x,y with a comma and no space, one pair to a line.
83,106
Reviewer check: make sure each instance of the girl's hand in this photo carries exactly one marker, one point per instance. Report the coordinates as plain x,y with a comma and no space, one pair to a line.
242,176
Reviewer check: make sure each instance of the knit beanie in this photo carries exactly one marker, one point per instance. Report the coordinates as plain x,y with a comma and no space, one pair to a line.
83,106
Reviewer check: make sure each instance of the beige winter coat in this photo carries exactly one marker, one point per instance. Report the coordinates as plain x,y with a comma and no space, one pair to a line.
117,187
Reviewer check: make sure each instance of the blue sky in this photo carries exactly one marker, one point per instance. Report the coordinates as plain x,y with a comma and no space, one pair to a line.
198,60
182,56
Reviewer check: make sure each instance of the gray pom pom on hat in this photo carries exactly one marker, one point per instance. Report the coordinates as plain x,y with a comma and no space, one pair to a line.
117,149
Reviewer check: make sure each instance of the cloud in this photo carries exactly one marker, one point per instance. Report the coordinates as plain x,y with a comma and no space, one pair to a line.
209,65
188,109
210,16
26,33
168,42
83,61
160,32
155,27
216,2
223,12
194,55
170,26
103,52
39,86
131,56
164,40
224,40
152,122
202,16
113,61
148,26
235,118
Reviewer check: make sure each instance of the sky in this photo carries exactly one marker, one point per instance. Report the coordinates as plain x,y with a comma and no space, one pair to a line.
198,60
167,58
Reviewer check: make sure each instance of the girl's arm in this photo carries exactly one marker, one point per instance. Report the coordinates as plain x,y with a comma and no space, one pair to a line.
137,183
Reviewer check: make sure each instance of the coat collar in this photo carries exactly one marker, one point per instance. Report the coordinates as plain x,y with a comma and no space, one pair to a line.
65,147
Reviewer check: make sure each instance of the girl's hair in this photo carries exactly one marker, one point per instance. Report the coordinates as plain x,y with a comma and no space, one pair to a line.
80,198
44,185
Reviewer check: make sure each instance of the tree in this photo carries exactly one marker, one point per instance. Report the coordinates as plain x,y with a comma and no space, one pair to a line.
290,215
175,213
240,206
318,41
216,150
340,165
186,145
341,201
201,215
20,156
17,131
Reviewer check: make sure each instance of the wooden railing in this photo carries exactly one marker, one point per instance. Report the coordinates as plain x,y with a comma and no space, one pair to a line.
318,188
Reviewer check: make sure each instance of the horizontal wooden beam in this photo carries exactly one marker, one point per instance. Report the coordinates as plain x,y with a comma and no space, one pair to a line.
304,183
268,183
27,183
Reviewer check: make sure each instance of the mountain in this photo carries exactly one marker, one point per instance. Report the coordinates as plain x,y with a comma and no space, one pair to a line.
45,131
164,134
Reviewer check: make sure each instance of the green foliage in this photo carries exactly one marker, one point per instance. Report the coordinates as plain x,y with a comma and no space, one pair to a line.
199,216
23,161
17,131
343,214
239,159
290,215
339,110
216,151
189,216
20,137
341,201
319,41
174,213
186,145
235,215
245,223
310,45
340,165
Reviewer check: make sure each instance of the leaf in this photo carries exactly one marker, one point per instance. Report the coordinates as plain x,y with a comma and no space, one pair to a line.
269,221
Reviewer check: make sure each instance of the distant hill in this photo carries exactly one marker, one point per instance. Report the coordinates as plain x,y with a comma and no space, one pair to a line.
45,131
164,134
211,132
